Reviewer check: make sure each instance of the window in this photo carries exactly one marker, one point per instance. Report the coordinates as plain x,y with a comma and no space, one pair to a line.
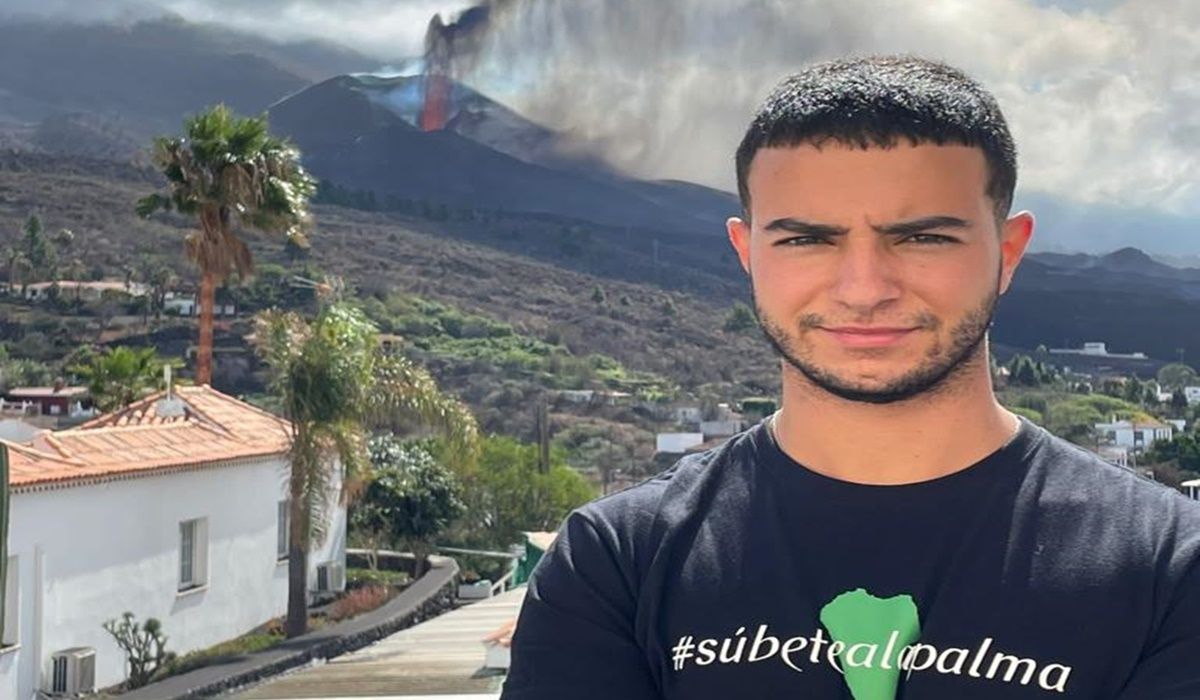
283,533
12,603
193,553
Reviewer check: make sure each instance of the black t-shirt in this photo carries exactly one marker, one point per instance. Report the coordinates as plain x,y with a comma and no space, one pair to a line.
1039,572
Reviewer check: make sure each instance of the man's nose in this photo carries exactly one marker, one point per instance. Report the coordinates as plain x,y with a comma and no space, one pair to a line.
866,276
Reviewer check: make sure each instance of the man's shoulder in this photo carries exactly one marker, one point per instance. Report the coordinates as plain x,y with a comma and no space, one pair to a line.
1076,483
640,505
1092,476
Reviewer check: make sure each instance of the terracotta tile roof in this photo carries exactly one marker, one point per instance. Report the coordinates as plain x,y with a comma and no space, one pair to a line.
137,440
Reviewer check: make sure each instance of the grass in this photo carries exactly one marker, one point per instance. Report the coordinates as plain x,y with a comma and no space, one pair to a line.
356,577
221,653
443,331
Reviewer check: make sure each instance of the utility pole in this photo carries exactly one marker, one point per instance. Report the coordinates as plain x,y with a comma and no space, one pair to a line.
543,435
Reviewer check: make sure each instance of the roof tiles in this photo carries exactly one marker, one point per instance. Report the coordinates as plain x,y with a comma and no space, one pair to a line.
137,440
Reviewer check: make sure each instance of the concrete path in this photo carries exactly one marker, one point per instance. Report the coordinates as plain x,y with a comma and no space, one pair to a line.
442,657
209,681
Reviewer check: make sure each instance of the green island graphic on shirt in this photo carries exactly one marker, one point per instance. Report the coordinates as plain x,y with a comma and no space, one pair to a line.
861,621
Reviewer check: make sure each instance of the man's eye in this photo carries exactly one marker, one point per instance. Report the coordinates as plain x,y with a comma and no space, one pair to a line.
802,241
928,239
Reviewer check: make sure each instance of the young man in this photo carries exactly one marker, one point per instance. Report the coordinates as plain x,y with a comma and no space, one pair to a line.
892,532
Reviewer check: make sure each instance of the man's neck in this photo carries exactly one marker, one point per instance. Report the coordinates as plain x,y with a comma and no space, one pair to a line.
931,435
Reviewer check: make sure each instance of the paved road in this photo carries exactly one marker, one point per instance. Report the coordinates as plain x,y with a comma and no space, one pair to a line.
442,657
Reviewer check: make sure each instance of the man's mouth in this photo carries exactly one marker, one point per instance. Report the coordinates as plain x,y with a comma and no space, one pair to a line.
868,336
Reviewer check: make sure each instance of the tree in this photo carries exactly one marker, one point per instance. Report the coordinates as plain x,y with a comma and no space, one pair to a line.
1075,421
1179,400
412,497
1134,391
740,318
119,376
1176,375
144,644
158,279
229,173
335,383
36,248
22,371
295,249
1023,371
508,494
1183,450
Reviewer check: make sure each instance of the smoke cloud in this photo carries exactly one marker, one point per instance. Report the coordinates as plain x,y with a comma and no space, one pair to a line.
1105,107
1104,102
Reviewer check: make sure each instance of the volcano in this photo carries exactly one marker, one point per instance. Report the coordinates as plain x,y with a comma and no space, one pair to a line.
365,132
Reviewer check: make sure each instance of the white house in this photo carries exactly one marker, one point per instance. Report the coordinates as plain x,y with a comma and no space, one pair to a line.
88,291
677,443
1137,436
687,414
185,304
1192,488
173,508
1192,393
720,428
1095,349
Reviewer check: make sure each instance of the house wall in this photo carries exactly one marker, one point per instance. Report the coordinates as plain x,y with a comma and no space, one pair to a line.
677,442
87,554
720,428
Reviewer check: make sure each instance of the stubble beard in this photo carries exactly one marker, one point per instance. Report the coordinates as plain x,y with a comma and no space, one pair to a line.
935,373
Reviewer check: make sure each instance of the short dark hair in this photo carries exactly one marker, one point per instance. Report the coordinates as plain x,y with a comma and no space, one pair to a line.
876,101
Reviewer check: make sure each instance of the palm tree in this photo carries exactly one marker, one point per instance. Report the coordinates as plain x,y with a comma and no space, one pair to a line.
229,173
335,383
121,375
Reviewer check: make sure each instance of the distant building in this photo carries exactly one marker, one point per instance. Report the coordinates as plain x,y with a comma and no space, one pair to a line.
1114,454
1192,394
614,398
87,291
1135,436
687,414
677,443
1191,488
1097,350
57,400
577,395
185,304
720,428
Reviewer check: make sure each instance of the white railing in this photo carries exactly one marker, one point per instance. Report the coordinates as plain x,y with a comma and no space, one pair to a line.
503,584
20,408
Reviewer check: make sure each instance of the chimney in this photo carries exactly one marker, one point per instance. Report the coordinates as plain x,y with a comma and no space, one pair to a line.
170,405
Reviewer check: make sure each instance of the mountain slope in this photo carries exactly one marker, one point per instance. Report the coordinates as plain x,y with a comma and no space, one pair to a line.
358,132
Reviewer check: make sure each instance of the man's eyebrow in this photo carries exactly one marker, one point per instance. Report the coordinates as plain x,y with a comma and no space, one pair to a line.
805,228
906,228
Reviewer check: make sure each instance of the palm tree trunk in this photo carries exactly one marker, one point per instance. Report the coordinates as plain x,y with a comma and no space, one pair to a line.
297,609
204,352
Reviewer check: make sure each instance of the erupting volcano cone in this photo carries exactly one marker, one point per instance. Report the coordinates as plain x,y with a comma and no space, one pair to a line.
436,108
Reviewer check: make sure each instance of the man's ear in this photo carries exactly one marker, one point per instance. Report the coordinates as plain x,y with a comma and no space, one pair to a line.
739,237
1015,234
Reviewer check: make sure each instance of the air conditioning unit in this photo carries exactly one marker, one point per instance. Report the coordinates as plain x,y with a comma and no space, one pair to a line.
331,576
73,672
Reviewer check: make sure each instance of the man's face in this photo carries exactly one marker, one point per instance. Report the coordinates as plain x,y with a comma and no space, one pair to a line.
876,271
